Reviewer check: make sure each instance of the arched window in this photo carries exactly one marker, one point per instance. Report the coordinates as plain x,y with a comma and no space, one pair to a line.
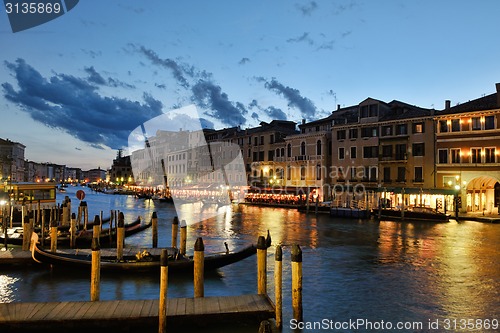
289,150
302,172
318,147
282,152
271,173
303,148
277,152
318,171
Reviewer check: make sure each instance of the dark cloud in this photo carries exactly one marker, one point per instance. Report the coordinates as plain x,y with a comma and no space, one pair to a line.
94,76
308,8
178,71
160,85
275,113
295,100
243,61
205,123
97,78
210,96
255,116
304,38
75,106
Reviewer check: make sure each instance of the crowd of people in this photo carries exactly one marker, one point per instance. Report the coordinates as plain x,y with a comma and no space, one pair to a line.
277,199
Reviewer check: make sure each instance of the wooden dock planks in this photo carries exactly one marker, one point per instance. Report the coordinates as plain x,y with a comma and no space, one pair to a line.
111,313
14,257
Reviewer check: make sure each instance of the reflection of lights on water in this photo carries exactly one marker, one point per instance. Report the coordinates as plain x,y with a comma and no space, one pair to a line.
6,288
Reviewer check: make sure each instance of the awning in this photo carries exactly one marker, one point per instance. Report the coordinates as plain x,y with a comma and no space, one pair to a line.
418,190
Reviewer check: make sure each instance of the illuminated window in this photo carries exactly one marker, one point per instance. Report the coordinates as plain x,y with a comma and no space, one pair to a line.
476,123
443,126
418,128
455,155
455,125
489,155
475,155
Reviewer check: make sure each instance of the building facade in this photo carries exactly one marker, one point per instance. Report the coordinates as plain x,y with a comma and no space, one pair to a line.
468,152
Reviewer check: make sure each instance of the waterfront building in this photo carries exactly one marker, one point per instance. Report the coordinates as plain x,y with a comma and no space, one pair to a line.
121,170
468,152
307,158
11,161
94,175
384,152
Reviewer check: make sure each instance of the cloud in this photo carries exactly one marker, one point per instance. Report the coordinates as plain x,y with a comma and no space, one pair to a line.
304,38
183,73
94,76
243,61
97,78
210,96
307,9
178,71
75,106
273,112
295,100
255,116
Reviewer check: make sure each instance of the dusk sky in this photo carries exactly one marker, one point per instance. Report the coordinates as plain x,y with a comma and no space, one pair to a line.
73,89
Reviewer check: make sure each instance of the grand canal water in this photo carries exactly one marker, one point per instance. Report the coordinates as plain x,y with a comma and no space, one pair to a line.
353,270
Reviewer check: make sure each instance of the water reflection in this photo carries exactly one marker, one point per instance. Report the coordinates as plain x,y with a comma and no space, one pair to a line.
7,288
384,270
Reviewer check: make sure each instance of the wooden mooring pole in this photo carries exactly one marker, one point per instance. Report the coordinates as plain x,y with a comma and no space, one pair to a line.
297,282
95,276
278,285
85,214
72,230
175,231
96,231
154,221
26,233
182,246
199,257
53,236
120,236
261,266
162,311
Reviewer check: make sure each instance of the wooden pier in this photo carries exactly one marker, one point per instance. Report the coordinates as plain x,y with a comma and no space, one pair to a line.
15,257
127,315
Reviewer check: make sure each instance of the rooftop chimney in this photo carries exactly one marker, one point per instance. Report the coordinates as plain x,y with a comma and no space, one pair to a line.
338,107
303,121
447,104
498,94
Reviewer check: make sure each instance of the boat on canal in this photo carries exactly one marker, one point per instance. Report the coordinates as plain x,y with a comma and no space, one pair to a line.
107,237
422,214
144,261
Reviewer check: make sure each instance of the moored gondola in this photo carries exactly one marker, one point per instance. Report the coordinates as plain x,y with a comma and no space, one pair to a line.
107,237
142,262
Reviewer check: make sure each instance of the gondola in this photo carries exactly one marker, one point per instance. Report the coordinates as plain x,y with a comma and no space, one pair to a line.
83,237
142,262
